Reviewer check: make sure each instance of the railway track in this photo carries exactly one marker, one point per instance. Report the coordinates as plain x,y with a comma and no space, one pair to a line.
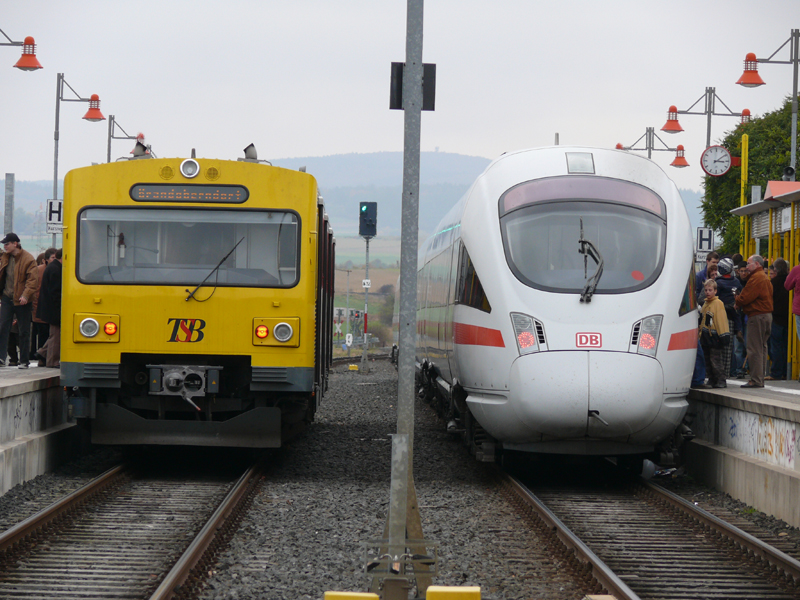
639,541
125,535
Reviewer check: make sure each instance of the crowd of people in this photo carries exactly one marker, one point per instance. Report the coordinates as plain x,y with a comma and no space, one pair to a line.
30,305
743,330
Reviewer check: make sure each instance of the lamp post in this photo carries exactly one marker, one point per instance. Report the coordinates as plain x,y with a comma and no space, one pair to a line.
139,137
649,140
27,61
93,114
751,78
672,125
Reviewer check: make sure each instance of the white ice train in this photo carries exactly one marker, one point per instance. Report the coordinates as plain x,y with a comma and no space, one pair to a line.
556,306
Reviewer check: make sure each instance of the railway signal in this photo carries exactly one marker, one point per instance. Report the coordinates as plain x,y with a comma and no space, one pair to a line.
368,219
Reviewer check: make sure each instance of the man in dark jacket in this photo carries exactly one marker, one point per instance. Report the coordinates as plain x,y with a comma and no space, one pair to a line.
756,302
49,309
779,334
18,284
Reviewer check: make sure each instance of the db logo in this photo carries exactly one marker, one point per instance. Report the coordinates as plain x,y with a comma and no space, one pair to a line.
588,340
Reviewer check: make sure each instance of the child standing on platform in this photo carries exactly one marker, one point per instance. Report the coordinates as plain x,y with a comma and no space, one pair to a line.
714,335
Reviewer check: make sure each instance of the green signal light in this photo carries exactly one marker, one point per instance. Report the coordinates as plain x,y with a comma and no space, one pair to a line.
363,208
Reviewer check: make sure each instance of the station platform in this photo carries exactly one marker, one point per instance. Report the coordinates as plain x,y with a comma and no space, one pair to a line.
746,444
36,433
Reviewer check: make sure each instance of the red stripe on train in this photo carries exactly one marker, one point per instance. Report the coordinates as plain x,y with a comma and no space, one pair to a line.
472,335
685,340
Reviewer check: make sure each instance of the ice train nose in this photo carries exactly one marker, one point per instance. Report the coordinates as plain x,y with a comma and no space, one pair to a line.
575,394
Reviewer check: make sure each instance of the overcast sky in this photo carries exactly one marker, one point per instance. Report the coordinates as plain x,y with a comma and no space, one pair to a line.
311,77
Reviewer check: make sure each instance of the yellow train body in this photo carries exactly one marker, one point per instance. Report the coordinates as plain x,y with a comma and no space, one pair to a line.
155,359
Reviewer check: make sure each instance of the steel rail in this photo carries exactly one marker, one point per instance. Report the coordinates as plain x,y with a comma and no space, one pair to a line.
44,517
343,360
600,571
194,554
744,540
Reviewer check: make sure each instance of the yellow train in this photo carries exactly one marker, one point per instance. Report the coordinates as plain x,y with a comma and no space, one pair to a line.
197,301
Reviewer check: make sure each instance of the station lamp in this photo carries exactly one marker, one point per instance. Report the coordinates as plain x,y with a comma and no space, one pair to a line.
673,126
28,60
93,114
650,138
750,78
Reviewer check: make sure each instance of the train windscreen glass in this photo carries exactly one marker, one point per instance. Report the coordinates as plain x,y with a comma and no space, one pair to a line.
168,246
540,240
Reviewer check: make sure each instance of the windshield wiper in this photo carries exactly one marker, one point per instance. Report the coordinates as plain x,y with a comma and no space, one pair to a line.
588,249
214,270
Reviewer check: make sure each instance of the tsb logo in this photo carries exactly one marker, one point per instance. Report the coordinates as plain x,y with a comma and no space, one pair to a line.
186,330
588,340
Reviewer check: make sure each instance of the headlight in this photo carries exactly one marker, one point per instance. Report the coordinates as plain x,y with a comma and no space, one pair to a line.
649,332
283,332
262,331
110,328
525,333
89,328
190,168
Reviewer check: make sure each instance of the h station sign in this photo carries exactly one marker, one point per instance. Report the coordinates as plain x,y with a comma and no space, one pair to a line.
704,243
55,216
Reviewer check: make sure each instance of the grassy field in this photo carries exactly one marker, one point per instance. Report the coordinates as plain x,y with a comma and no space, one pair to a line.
378,278
385,249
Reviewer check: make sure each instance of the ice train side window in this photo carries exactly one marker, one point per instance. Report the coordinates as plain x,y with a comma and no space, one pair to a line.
689,300
470,291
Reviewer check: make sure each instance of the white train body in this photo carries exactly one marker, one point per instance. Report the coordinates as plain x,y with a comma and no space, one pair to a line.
500,318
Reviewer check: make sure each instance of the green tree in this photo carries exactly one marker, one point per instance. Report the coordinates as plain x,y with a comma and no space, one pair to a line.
770,152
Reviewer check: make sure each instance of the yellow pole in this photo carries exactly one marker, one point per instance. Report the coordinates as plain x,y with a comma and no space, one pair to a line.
745,244
793,342
769,238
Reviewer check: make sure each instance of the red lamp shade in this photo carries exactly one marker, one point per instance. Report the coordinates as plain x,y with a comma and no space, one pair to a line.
746,115
672,125
94,114
679,161
750,77
28,61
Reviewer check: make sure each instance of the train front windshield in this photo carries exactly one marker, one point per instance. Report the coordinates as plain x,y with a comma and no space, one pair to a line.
168,246
541,227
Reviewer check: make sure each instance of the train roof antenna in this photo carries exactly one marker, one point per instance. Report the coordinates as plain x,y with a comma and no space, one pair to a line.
588,249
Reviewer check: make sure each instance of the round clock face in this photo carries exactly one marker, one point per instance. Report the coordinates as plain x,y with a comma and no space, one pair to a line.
716,161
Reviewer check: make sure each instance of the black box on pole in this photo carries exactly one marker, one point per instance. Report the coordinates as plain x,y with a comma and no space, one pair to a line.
428,86
368,219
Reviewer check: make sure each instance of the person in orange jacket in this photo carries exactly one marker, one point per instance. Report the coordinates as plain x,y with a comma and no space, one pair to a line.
755,300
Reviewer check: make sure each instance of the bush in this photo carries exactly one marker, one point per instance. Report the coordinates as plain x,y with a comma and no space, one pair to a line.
380,331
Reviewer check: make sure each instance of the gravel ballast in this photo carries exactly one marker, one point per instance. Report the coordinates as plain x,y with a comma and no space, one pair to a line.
327,493
330,493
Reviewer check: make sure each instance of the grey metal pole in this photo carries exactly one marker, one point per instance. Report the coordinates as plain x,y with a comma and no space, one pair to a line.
710,97
59,93
110,134
348,310
650,141
8,219
403,442
364,363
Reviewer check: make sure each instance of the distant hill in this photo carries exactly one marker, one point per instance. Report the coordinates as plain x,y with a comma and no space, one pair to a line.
385,169
347,179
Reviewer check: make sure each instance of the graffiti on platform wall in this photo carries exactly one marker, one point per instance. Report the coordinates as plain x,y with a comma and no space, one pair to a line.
765,438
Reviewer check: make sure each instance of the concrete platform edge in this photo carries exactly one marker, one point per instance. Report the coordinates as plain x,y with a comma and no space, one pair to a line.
37,453
17,388
769,488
